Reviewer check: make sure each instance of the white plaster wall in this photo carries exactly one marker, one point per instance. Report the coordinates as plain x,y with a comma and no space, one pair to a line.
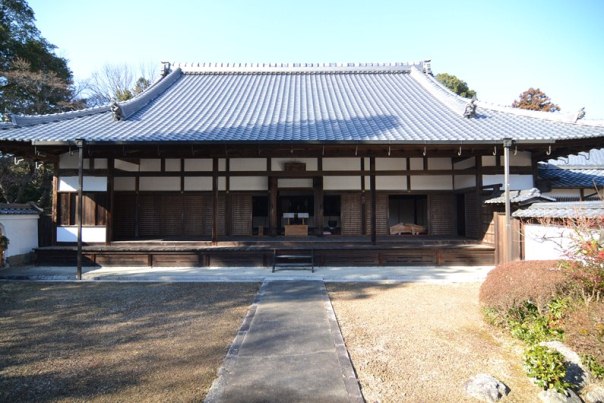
342,183
22,233
222,164
465,181
125,166
150,165
342,164
545,242
198,164
488,160
436,182
464,164
172,164
222,183
295,183
390,164
90,184
89,234
67,161
521,159
440,163
517,182
159,183
247,164
416,163
277,164
124,183
390,182
100,163
198,183
248,183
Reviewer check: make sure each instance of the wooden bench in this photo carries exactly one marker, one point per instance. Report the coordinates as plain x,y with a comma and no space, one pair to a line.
294,259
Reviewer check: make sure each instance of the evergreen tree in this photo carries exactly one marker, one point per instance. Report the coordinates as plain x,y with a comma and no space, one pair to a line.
456,85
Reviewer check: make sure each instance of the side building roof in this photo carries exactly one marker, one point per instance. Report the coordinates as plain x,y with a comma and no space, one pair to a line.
585,170
354,103
586,209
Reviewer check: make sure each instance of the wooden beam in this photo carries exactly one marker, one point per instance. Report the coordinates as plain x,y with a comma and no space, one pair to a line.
228,214
273,186
215,201
318,202
80,144
373,200
363,201
55,203
110,202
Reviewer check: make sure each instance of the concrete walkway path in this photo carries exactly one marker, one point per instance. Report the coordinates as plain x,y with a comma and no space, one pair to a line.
289,349
425,274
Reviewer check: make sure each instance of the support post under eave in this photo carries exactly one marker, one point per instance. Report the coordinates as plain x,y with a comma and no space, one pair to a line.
507,144
80,145
373,200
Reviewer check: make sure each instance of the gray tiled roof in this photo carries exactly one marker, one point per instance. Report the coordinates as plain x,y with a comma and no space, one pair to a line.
354,103
562,177
520,196
592,159
588,209
19,209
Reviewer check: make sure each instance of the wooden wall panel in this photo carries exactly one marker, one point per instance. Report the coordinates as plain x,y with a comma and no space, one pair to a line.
124,216
171,214
381,214
472,210
241,214
148,215
442,214
350,213
193,210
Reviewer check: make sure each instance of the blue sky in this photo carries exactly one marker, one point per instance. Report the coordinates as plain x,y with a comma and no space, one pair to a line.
500,48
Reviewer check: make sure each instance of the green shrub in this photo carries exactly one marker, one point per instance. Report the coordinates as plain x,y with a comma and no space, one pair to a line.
596,369
526,323
547,367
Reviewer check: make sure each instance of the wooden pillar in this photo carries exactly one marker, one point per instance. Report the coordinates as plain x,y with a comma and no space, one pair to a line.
373,200
363,201
228,216
79,213
55,203
479,207
273,185
214,201
110,201
318,213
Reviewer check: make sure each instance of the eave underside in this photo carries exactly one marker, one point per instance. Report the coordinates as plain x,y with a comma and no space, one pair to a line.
48,151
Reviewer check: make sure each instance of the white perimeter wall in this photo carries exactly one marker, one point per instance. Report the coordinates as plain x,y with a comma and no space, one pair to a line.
545,242
89,234
22,233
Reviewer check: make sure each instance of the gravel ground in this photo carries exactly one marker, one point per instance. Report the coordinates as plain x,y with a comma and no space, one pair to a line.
422,342
115,342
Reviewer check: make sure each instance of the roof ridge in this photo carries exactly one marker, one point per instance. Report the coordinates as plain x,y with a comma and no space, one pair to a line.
30,120
131,106
450,99
569,117
290,68
128,108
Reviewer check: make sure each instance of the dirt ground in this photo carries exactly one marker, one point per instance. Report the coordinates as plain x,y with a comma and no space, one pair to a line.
422,342
116,342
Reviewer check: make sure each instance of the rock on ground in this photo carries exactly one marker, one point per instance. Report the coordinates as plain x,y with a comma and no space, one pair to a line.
552,396
486,388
